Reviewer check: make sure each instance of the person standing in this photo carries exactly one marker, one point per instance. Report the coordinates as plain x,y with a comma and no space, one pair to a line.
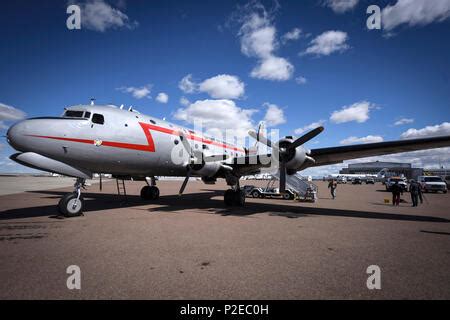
396,191
415,191
332,186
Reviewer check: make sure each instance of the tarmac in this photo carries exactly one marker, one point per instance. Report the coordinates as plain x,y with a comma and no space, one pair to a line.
193,247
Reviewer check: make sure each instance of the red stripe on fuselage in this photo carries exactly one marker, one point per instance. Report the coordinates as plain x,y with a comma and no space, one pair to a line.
150,147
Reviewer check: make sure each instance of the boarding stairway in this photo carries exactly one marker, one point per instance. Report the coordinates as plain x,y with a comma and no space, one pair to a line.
305,190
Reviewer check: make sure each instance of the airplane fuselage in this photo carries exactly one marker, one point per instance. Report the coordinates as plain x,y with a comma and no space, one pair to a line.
111,140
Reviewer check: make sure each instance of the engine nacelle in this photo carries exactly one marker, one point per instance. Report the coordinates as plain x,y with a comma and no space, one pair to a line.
206,169
296,159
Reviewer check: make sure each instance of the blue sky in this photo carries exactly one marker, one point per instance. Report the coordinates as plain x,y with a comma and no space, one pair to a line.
291,63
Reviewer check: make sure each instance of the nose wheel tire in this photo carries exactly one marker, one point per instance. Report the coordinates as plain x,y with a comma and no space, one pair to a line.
150,193
70,206
234,198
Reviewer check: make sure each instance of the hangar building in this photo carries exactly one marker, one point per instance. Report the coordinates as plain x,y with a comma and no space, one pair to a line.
394,169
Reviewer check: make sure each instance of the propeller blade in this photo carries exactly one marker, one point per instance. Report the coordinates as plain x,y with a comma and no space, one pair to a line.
186,144
183,186
260,138
305,138
282,177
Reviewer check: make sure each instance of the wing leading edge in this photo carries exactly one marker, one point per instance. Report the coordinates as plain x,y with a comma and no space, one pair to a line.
333,155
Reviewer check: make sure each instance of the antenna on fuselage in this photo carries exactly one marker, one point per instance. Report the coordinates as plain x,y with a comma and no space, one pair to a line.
92,101
130,108
121,106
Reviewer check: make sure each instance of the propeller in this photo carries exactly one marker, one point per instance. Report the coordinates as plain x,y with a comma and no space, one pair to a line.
194,157
260,138
285,150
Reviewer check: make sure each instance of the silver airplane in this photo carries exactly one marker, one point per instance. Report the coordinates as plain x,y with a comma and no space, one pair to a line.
90,139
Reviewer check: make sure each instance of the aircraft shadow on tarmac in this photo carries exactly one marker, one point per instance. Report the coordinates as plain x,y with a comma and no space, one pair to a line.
204,201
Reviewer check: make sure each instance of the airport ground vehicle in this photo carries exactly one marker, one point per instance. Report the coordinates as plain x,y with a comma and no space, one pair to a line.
391,181
357,181
270,191
432,184
370,181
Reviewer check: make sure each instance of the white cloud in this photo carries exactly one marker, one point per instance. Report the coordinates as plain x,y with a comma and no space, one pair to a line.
327,43
98,15
292,35
187,85
310,126
184,101
367,139
162,97
442,129
358,112
258,40
9,113
217,116
223,86
403,121
415,13
274,115
341,6
273,68
301,80
138,92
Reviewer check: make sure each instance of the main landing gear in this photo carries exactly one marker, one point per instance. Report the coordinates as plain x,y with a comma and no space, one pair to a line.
234,196
71,204
151,191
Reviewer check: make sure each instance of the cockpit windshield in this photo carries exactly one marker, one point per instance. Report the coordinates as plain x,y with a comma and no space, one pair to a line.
77,114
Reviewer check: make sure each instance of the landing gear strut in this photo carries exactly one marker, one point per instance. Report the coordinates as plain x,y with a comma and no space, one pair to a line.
234,196
71,204
151,191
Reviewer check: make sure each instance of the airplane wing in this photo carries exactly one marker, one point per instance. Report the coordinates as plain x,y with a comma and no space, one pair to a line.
333,155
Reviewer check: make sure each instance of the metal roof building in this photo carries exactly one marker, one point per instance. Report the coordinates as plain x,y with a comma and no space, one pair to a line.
394,168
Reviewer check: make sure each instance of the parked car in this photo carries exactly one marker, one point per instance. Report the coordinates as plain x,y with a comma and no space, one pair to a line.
432,184
447,181
357,181
370,181
342,180
391,181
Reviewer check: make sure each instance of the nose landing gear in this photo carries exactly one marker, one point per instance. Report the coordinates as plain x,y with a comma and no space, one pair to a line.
71,204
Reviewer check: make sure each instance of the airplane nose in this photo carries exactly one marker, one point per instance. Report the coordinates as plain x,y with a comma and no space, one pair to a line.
15,135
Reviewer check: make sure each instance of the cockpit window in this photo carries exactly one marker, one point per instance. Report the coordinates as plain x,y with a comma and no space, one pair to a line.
73,114
98,118
87,115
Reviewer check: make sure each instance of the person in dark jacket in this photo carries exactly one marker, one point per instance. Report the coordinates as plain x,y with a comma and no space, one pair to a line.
396,191
332,186
416,193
